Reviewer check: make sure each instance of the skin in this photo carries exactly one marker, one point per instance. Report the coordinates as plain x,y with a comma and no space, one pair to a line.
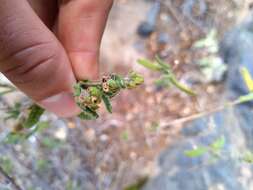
47,45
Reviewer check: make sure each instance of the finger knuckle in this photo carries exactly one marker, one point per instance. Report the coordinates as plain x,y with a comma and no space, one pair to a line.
26,64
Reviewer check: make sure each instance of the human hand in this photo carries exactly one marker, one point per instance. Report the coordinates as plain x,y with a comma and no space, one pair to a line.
46,45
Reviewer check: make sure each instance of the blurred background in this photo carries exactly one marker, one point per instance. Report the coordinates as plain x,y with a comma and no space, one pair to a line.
142,144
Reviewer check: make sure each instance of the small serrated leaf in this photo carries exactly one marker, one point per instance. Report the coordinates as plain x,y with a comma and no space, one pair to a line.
88,114
34,116
107,103
77,89
197,152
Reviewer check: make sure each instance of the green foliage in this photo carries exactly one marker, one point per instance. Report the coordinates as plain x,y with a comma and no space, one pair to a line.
89,94
245,98
19,136
106,100
249,83
247,78
51,143
6,164
138,185
35,112
42,165
41,126
88,114
14,138
213,149
217,145
209,42
6,89
168,78
197,152
71,185
248,157
150,65
13,112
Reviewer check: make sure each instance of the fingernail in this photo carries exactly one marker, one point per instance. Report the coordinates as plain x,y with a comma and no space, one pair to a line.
85,65
62,104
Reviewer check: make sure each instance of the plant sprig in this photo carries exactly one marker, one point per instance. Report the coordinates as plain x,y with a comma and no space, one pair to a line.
167,75
89,94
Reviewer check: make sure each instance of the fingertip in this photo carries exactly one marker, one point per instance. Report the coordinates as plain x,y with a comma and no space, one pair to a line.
85,65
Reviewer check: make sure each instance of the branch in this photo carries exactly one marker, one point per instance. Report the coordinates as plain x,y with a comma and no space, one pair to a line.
200,115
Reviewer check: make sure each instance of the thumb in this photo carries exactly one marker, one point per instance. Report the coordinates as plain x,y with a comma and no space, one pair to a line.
33,59
80,27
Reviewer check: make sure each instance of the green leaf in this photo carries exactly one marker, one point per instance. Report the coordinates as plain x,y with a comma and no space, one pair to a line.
42,165
51,143
218,144
39,128
119,80
136,78
246,98
6,164
13,112
165,67
14,138
77,89
181,87
107,103
199,151
247,78
210,42
138,185
149,65
88,114
34,116
248,157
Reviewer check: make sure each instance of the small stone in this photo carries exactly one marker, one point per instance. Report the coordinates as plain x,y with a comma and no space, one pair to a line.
104,138
145,29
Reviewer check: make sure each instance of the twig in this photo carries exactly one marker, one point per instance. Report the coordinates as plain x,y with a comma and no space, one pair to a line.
199,115
10,179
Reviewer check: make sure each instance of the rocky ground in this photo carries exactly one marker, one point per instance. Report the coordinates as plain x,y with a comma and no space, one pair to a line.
118,149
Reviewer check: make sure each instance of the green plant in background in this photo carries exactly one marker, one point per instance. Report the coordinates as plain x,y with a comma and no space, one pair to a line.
167,78
216,147
88,96
211,64
138,185
6,165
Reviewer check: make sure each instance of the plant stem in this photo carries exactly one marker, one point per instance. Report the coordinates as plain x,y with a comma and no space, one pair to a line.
199,115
